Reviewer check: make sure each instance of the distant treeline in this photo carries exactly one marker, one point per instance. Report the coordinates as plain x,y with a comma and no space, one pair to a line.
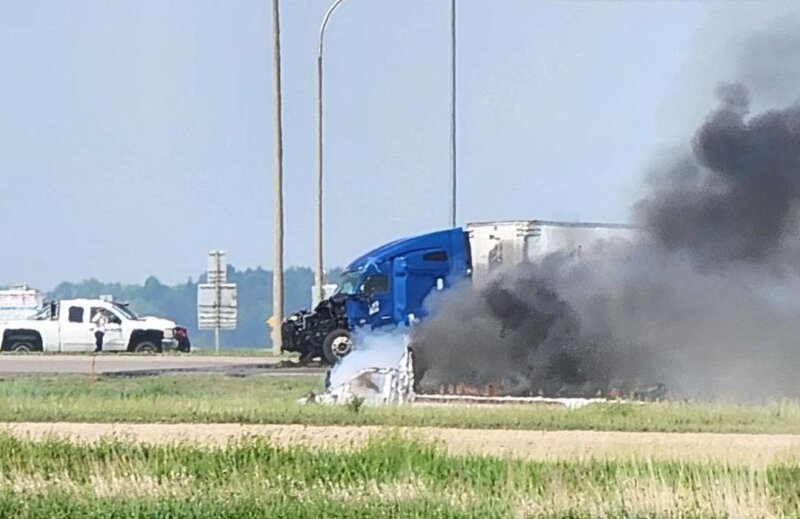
179,302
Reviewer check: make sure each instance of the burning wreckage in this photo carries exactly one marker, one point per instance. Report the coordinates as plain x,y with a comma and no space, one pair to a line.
481,264
497,347
396,386
701,296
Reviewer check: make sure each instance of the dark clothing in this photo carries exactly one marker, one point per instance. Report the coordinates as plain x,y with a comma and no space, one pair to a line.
98,336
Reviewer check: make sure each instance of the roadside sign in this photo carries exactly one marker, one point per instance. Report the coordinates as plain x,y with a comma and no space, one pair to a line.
217,270
217,306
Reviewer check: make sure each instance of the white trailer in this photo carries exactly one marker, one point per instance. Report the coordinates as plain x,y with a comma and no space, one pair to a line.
19,302
494,244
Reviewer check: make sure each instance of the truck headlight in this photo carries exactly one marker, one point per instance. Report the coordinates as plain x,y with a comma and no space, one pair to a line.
169,333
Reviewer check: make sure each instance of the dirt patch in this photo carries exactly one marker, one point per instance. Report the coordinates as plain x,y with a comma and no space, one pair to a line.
748,449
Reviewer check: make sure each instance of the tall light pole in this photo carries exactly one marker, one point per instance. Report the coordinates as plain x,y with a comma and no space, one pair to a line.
319,273
453,179
277,267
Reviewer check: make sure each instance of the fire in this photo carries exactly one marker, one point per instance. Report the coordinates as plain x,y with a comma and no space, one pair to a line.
462,389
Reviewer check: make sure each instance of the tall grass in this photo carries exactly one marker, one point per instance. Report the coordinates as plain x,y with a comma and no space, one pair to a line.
389,477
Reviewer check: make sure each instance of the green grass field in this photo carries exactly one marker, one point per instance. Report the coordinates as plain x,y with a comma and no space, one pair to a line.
260,399
389,477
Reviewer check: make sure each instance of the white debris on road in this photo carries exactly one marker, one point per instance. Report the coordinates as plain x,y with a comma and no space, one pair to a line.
373,386
568,403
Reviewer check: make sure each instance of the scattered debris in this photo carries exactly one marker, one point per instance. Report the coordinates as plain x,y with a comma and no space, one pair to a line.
568,403
372,386
391,386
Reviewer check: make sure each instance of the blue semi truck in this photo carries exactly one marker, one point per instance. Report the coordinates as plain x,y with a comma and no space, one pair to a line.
388,286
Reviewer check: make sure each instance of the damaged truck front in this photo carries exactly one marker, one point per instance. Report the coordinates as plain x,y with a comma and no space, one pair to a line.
386,287
310,333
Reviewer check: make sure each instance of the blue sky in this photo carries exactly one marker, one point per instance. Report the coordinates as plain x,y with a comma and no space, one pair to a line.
136,135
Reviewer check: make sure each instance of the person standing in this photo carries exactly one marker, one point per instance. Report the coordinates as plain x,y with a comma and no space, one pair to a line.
99,320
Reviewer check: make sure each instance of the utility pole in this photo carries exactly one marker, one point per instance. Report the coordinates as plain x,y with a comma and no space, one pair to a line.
319,274
218,297
277,193
453,178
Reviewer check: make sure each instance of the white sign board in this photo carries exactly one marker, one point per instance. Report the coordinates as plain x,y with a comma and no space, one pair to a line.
217,307
217,270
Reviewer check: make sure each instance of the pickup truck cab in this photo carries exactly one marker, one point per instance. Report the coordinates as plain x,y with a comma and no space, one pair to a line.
66,326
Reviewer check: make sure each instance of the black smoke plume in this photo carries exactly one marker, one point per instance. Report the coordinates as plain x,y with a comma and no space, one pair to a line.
706,300
736,199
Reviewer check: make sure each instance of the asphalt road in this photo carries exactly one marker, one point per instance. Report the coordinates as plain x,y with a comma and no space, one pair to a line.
130,365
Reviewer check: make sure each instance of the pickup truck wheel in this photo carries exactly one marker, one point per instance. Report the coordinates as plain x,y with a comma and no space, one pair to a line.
146,347
337,345
22,347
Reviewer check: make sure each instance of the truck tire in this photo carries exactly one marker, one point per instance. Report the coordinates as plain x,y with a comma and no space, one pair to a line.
146,347
22,341
22,346
337,345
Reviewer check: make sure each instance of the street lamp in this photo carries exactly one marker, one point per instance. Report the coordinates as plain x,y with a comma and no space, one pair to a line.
318,275
453,179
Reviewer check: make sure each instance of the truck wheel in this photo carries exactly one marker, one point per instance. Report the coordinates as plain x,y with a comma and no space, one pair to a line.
146,347
22,347
336,345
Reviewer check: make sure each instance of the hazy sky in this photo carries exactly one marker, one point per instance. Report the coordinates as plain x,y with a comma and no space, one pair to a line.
136,135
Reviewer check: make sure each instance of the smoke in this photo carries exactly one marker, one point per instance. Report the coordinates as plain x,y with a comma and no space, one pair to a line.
735,198
768,62
525,332
705,300
383,349
522,335
754,43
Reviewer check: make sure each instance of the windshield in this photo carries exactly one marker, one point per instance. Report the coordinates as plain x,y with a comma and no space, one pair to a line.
348,284
124,310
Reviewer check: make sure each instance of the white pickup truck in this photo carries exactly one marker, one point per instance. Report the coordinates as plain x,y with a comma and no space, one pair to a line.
66,326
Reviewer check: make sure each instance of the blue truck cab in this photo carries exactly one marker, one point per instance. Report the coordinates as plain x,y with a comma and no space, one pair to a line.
386,287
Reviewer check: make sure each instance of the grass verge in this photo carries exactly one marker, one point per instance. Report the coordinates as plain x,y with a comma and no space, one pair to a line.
262,400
